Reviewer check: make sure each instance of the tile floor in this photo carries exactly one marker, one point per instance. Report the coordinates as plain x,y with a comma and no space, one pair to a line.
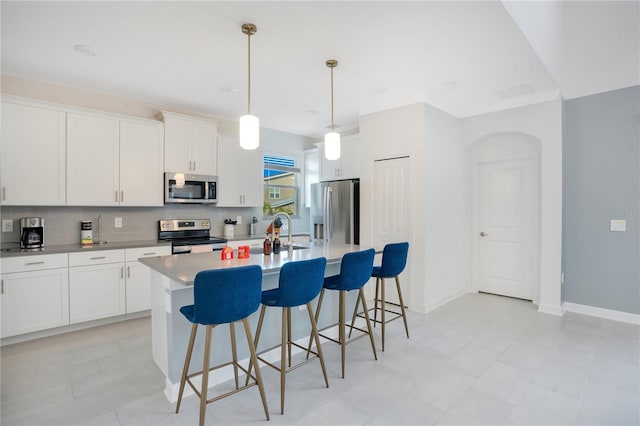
479,360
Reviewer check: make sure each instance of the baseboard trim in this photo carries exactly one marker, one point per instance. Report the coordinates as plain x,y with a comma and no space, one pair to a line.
602,313
5,341
443,301
556,310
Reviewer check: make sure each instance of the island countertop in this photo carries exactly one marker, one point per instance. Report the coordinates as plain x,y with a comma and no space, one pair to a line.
182,268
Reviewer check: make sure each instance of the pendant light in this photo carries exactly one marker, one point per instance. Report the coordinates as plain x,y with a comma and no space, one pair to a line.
249,124
332,138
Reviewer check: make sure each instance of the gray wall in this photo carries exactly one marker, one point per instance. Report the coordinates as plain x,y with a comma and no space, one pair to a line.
601,181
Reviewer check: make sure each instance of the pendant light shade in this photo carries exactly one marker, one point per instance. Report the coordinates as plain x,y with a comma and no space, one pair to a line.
249,124
249,131
332,138
332,146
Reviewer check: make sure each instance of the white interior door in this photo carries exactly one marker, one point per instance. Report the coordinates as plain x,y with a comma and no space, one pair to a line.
506,205
391,189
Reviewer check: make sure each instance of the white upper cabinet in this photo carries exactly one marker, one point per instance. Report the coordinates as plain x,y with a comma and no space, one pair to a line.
240,175
92,161
32,155
141,164
112,162
347,166
191,144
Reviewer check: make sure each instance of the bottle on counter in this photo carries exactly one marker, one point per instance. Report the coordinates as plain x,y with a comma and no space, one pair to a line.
276,243
266,246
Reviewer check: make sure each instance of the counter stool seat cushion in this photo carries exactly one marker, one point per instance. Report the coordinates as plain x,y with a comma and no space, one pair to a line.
299,284
215,304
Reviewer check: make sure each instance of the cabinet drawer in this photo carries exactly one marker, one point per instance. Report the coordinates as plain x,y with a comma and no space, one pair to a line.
96,257
251,243
132,254
34,263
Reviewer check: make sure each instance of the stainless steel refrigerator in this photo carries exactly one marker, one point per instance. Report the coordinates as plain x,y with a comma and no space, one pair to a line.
335,211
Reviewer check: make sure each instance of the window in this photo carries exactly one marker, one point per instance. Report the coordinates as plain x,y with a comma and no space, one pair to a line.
280,185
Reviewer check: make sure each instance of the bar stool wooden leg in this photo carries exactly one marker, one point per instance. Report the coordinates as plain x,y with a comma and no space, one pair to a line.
342,327
375,303
234,352
289,333
353,318
383,310
317,315
187,361
254,359
205,374
314,333
283,358
404,314
366,315
257,339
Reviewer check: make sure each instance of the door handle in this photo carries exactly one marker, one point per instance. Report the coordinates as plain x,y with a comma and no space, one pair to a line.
483,234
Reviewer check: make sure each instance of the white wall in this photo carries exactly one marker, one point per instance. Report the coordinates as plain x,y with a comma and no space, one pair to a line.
544,122
438,265
447,215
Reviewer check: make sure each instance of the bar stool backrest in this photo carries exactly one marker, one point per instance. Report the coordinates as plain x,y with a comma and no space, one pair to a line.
301,281
355,269
226,295
394,259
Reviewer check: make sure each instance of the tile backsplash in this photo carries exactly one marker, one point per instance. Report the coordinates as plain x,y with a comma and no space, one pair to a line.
62,224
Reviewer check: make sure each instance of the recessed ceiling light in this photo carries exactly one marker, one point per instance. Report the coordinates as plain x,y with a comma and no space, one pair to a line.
85,50
228,89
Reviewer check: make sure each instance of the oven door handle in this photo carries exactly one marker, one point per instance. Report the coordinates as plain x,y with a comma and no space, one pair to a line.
181,249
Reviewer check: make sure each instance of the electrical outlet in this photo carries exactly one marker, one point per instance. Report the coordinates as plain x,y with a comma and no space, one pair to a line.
239,219
7,225
118,222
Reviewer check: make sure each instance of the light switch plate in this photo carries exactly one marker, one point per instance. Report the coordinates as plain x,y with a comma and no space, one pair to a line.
118,222
618,225
7,225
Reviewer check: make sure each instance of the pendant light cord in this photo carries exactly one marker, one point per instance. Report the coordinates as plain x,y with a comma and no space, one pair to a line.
249,73
332,99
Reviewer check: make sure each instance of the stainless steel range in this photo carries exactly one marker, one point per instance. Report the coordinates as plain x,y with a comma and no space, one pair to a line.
189,236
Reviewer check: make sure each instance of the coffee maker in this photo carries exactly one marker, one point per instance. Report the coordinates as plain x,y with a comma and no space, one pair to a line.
32,233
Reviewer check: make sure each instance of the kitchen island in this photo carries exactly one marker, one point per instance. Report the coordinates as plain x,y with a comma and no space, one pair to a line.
172,288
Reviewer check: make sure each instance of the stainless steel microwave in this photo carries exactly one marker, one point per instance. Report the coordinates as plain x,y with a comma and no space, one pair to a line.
188,188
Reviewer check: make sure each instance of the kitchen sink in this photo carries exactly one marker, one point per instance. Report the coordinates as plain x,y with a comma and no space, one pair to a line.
259,250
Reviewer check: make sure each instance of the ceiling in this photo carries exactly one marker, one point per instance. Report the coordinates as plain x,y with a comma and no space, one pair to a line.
465,58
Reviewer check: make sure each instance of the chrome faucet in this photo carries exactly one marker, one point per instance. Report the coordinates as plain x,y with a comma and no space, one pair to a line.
288,224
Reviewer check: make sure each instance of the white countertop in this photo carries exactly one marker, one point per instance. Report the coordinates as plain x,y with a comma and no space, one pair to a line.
182,268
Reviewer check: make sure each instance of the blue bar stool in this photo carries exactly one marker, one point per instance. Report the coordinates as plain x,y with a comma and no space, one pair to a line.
355,271
394,260
300,282
222,296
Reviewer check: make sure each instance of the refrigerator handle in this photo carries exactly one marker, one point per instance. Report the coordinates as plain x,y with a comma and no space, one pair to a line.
329,217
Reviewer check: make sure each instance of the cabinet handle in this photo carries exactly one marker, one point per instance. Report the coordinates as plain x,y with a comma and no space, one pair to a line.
148,254
98,257
128,271
34,263
121,272
1,286
122,196
194,165
190,165
4,193
116,196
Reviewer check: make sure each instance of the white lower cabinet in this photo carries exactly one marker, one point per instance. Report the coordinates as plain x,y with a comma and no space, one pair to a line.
138,282
96,285
34,297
